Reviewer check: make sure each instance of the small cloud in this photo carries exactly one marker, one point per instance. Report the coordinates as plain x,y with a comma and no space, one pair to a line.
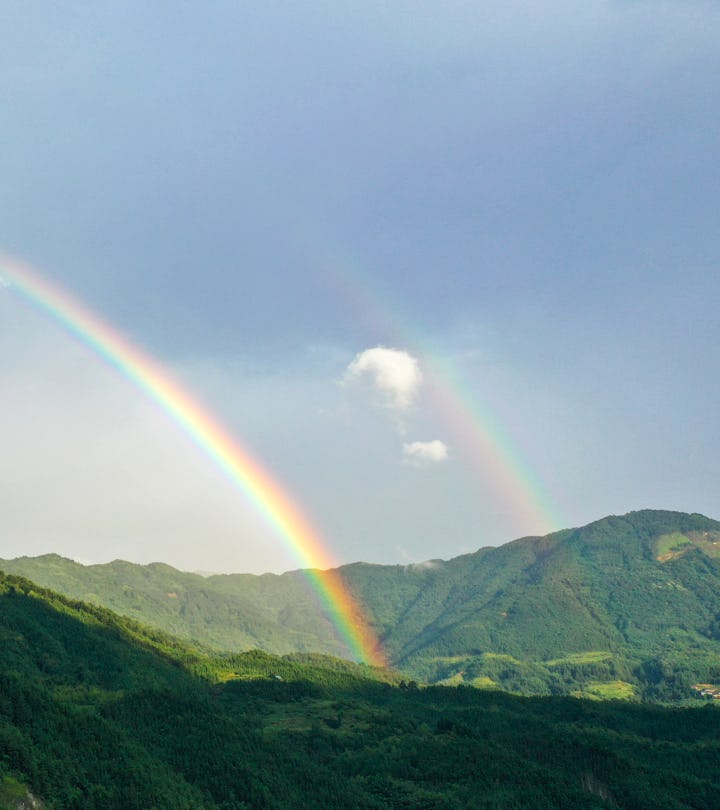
427,565
394,373
422,454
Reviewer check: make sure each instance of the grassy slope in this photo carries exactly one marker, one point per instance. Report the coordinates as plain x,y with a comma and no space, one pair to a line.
99,712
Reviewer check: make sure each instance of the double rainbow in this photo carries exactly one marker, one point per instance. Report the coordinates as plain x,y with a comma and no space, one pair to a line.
263,490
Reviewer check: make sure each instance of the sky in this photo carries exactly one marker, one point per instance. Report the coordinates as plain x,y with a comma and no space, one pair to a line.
448,270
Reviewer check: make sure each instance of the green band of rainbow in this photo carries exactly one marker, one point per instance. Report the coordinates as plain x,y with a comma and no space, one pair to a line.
263,490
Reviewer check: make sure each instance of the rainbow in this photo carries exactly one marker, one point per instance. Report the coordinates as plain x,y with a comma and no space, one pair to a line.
490,447
263,490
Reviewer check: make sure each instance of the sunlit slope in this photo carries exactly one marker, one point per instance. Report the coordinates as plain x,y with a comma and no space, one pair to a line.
625,606
634,597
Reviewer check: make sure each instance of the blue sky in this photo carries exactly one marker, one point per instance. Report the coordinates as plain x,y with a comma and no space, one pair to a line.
259,193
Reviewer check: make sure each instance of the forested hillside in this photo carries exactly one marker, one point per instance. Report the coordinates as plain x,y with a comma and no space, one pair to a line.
99,712
625,607
279,614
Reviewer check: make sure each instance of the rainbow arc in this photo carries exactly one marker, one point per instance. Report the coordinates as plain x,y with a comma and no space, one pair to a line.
262,489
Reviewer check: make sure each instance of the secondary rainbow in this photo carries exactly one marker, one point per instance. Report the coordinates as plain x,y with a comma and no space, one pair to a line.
491,448
478,431
262,489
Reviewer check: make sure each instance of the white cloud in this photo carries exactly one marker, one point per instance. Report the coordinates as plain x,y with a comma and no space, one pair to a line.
427,565
395,374
421,454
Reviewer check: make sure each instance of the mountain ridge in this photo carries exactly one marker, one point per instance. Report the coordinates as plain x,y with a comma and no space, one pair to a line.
611,602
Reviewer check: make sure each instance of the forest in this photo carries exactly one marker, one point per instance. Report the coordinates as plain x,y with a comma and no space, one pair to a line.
100,711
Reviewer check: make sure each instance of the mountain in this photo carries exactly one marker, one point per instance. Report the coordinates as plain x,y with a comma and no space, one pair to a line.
98,712
632,600
276,613
626,607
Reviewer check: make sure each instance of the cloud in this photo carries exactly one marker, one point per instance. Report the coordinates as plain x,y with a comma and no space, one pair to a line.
394,373
426,565
422,454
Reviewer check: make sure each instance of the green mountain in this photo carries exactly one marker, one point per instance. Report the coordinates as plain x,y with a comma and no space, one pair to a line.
625,607
98,712
276,613
632,600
